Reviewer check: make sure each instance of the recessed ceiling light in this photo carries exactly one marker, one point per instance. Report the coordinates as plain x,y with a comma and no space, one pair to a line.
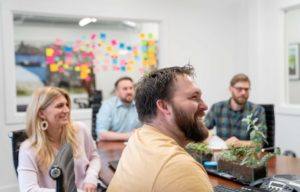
130,23
86,20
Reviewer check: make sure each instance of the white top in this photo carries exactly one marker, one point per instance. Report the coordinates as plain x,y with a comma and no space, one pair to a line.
86,166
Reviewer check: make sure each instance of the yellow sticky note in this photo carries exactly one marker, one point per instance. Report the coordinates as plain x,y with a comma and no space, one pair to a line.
83,75
66,66
77,68
53,67
59,63
49,52
152,62
142,35
108,48
130,68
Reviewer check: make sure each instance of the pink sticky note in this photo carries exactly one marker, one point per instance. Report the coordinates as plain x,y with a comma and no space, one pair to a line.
114,42
50,60
61,69
141,70
93,36
123,62
105,67
58,41
116,68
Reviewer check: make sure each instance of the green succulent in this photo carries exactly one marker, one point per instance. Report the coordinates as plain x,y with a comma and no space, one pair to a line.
248,155
199,148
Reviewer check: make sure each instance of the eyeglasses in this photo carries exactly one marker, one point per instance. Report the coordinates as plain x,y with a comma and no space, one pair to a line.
240,89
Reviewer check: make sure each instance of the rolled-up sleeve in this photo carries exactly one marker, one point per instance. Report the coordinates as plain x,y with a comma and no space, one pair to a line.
104,118
209,118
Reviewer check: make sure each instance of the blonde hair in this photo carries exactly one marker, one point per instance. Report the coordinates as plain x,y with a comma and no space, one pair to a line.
40,141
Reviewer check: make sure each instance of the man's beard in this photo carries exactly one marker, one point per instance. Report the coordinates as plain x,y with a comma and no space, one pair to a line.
240,100
128,99
192,126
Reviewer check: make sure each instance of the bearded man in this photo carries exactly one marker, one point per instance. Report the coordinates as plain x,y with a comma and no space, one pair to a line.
170,105
227,115
117,118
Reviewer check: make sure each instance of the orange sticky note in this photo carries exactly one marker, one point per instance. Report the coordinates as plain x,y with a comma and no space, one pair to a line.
83,75
53,67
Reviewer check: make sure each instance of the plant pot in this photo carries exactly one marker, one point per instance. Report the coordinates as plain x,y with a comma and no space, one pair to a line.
200,157
242,172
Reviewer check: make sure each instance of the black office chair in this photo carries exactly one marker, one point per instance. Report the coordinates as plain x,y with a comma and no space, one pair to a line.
270,123
95,108
16,138
61,166
96,101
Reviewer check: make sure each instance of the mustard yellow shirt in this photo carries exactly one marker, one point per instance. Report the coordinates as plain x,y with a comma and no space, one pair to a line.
152,161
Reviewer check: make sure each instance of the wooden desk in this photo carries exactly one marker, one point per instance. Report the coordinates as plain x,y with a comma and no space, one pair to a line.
110,151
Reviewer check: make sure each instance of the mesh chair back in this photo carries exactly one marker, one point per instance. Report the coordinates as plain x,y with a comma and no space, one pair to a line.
96,100
270,123
95,108
16,138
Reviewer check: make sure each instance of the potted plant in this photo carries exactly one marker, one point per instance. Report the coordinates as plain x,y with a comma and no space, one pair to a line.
247,163
199,151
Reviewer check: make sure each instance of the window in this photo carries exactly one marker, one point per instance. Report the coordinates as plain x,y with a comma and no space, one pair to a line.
292,37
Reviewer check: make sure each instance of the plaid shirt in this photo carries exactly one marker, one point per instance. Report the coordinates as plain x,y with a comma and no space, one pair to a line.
229,122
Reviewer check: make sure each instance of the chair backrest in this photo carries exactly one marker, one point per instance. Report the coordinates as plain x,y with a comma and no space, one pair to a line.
95,102
16,137
95,108
270,123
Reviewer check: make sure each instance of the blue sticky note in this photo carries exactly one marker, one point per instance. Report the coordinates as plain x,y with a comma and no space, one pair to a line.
137,58
129,48
121,45
115,61
123,68
102,36
68,49
144,48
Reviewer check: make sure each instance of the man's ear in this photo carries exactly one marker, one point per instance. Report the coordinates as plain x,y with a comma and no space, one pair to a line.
163,107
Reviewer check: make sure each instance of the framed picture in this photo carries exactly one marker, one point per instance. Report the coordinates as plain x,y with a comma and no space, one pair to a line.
293,61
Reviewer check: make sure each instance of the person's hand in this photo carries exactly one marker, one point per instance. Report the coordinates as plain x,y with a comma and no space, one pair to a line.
89,187
210,135
232,141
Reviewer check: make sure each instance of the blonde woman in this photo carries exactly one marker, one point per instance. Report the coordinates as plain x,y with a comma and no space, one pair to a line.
48,127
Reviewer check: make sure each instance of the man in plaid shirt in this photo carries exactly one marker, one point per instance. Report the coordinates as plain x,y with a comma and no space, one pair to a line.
227,115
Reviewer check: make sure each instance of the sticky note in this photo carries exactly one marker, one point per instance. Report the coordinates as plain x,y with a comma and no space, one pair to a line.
142,35
49,52
53,67
93,36
103,36
113,42
121,45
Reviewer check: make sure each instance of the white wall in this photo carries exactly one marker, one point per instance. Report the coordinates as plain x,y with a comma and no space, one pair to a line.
268,69
216,35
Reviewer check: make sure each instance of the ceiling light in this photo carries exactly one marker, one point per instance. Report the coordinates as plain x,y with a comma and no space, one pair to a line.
86,20
130,23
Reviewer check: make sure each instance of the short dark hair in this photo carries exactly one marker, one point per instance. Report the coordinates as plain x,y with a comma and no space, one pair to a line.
156,85
122,79
241,77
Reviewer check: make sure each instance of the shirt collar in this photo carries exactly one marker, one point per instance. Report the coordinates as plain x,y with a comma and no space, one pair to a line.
244,108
